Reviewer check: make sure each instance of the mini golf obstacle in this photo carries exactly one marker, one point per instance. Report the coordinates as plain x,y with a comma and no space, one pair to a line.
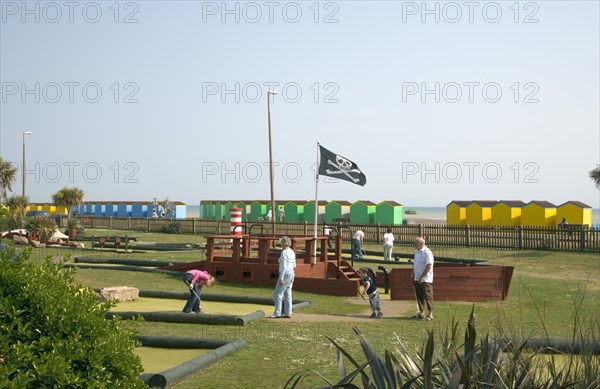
253,259
202,318
219,350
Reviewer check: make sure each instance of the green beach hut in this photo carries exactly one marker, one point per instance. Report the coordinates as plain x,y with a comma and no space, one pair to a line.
258,210
309,211
388,212
337,210
294,210
362,211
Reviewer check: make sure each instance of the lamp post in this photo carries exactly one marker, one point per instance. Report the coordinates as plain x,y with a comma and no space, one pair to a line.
273,210
23,168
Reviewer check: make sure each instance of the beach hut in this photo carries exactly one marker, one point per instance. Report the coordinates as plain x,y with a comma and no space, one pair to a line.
294,210
122,210
337,210
219,207
388,212
178,210
507,213
456,213
539,213
89,208
109,209
98,210
574,212
362,211
137,210
258,210
309,211
479,212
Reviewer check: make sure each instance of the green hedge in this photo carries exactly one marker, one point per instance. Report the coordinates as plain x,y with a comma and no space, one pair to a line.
53,333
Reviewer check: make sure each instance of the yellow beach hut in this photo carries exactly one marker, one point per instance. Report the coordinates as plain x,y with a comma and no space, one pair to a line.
574,212
538,213
479,212
456,213
507,213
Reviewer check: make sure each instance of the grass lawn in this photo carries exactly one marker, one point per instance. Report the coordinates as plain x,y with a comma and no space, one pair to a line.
552,294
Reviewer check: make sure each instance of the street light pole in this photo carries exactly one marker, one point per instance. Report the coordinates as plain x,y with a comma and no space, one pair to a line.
23,168
273,210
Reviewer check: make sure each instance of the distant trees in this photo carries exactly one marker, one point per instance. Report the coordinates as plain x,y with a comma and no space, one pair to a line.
595,176
17,205
68,198
8,176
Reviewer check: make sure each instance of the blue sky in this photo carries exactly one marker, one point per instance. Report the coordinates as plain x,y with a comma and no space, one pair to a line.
144,99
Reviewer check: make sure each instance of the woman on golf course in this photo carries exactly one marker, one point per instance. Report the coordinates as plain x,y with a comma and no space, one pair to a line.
283,288
195,280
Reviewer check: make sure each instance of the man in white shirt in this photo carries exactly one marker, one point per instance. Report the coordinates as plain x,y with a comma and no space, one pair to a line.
327,233
357,240
423,278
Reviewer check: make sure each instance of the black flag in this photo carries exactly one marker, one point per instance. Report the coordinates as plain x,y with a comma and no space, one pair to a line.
334,165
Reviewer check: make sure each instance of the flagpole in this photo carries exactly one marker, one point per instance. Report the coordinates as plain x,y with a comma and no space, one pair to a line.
314,253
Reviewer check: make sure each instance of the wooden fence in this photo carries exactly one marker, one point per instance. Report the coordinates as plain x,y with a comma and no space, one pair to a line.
501,237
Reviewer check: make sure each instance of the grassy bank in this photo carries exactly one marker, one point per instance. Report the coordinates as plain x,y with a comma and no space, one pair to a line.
553,294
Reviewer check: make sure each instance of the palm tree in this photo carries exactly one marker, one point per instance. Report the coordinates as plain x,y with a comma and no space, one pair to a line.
17,206
167,207
8,176
595,175
68,198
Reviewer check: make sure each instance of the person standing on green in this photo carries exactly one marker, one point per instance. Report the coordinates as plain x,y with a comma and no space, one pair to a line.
388,244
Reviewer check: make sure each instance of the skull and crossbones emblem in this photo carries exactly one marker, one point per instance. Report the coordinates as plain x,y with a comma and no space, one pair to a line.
344,166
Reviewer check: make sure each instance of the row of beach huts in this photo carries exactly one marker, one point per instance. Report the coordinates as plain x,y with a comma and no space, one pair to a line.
473,212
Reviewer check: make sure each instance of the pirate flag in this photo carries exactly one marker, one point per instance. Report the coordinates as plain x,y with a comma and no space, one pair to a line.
334,165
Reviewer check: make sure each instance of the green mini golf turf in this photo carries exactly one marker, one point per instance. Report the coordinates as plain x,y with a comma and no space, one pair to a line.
148,304
156,359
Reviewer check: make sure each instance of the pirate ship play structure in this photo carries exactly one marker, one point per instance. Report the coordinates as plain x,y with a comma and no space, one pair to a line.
253,259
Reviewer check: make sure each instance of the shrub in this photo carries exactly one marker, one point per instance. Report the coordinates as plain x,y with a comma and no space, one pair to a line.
172,228
41,227
53,333
483,365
